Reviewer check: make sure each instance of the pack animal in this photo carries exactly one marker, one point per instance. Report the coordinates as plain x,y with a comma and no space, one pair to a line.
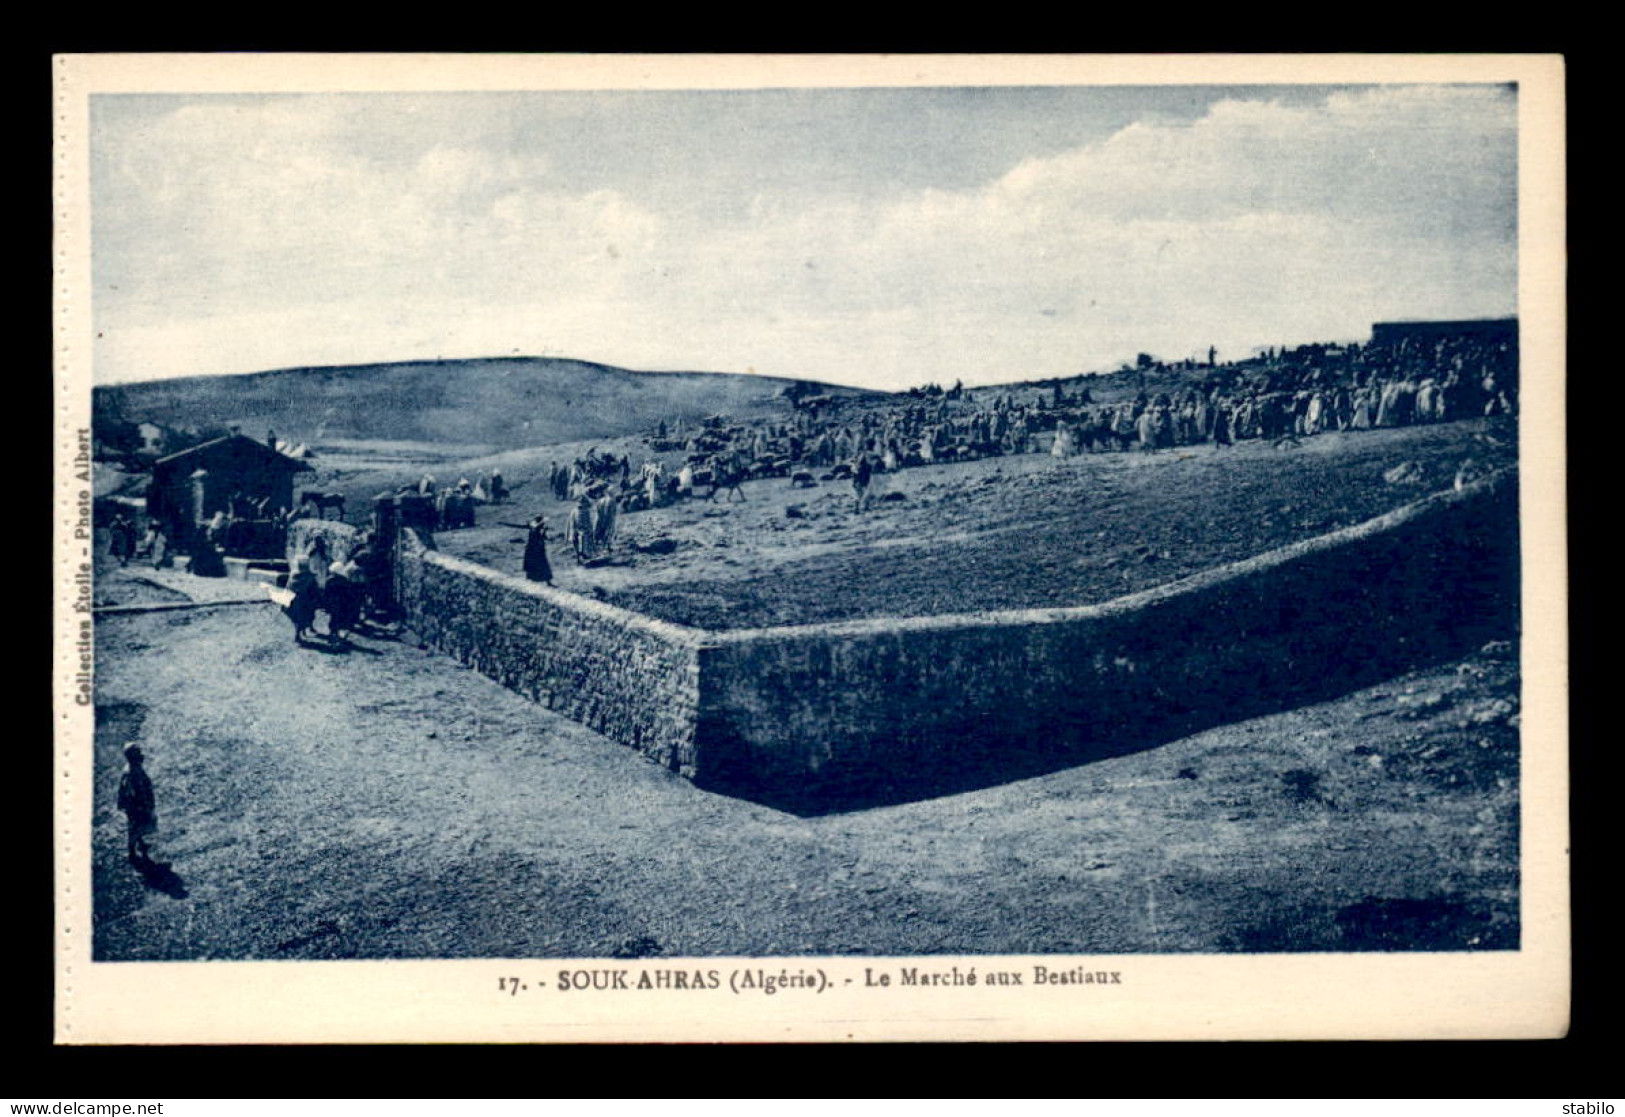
729,478
320,502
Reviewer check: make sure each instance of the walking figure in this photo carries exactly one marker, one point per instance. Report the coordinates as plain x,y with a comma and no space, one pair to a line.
302,599
140,807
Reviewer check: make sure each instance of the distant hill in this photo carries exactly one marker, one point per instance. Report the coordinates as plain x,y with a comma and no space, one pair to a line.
506,402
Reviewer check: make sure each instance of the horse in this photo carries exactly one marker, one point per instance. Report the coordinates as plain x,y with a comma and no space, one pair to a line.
322,502
730,478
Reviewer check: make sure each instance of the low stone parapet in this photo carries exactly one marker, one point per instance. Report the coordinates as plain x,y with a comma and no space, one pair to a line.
781,711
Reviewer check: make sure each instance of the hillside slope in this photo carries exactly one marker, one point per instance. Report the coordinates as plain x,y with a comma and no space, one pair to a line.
508,402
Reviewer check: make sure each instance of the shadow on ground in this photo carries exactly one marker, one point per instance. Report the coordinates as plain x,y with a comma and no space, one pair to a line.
966,759
160,876
1447,922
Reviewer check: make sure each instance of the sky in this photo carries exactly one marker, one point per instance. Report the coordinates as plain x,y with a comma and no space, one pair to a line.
876,237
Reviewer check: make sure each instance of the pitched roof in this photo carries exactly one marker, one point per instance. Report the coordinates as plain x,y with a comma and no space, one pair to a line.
272,456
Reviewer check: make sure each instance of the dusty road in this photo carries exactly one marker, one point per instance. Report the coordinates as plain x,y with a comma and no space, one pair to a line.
387,803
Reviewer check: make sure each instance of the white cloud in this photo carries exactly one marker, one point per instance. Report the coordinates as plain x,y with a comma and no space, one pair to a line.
312,232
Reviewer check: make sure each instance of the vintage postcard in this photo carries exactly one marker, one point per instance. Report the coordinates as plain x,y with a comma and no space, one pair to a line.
753,548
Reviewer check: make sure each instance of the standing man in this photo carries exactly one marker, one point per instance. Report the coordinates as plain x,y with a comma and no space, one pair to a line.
537,568
161,558
578,532
122,538
1223,424
140,807
1146,426
318,560
343,599
861,477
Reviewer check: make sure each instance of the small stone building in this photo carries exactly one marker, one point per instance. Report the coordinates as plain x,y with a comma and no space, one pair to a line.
191,486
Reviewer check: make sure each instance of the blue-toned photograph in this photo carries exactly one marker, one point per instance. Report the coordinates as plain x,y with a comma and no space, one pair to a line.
665,524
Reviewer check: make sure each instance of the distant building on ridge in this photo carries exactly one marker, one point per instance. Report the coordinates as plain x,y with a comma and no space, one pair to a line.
1488,329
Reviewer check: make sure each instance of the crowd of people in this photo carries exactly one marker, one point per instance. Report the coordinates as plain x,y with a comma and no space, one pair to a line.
1281,394
1278,395
349,589
592,474
1301,393
128,542
454,505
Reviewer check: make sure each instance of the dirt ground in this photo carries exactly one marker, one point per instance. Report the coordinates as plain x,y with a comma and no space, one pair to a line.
384,802
381,801
1017,532
139,585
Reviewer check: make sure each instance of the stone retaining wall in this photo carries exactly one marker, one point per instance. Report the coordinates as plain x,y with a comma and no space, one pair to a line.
780,711
941,698
629,677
